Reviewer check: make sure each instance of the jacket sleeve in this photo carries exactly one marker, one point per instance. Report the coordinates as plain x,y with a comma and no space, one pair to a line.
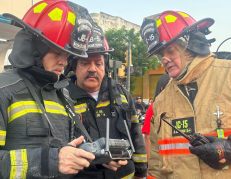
25,163
139,156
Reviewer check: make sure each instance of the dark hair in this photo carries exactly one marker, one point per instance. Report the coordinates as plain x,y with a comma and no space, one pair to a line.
75,61
162,82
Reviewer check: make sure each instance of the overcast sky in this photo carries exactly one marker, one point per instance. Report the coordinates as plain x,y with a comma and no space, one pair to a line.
135,10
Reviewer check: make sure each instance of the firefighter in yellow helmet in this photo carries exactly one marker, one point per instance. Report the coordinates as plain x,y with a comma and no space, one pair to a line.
197,100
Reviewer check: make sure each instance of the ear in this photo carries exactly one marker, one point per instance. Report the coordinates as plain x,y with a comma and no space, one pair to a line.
74,65
73,69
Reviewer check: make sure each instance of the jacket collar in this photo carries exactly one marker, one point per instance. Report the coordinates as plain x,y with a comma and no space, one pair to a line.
43,79
197,68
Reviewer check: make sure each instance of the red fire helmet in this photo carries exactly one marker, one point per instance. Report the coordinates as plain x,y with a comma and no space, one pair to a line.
54,21
169,26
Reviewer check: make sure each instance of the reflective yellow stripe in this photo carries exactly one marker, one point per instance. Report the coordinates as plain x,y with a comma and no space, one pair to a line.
20,103
25,163
158,23
2,133
39,8
21,108
123,98
18,109
134,119
52,103
81,111
53,107
2,143
81,108
139,157
56,14
220,133
103,103
81,105
2,137
130,176
19,164
71,18
21,113
13,164
183,14
55,111
170,18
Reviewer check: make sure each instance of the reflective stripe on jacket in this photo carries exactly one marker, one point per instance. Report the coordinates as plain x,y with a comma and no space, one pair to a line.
170,157
25,150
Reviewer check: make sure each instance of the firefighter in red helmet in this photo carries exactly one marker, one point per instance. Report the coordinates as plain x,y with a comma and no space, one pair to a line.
195,101
36,131
98,97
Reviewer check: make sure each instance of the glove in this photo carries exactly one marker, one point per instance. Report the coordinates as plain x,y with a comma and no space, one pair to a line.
216,154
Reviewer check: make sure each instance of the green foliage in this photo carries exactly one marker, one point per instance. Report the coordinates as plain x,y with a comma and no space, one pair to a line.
118,39
132,84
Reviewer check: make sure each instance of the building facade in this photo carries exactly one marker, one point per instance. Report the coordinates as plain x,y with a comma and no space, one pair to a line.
107,21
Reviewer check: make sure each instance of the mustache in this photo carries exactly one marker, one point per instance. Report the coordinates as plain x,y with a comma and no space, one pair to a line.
91,74
58,68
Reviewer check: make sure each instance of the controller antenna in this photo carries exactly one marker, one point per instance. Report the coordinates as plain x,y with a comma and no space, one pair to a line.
129,137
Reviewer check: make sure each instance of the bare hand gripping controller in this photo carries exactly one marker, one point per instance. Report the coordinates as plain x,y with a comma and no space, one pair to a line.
106,150
195,139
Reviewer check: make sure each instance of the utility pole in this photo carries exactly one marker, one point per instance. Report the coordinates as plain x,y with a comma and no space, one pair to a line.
32,2
129,61
115,71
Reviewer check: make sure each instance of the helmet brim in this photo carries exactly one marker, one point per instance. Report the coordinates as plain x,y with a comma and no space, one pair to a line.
42,37
202,24
105,51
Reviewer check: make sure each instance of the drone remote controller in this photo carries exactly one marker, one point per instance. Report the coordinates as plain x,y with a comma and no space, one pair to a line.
106,150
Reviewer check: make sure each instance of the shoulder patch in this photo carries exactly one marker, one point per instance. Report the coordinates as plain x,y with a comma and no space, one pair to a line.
8,78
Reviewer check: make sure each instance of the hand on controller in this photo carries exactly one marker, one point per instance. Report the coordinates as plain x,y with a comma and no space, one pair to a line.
72,159
113,165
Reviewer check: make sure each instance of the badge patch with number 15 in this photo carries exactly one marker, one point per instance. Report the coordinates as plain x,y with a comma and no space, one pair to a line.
186,125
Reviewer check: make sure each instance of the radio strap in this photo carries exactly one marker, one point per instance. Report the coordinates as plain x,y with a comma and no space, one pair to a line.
73,115
65,103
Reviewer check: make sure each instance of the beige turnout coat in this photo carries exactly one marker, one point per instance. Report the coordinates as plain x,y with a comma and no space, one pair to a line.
210,89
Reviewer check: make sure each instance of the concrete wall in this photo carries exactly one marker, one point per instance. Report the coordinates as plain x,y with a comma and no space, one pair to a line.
16,7
107,21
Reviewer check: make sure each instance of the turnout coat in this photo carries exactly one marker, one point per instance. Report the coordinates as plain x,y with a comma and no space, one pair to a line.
191,104
26,150
94,114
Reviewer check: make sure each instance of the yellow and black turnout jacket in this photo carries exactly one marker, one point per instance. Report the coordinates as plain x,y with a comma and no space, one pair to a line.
94,114
25,138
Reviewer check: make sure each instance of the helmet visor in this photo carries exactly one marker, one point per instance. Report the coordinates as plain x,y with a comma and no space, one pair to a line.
173,50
